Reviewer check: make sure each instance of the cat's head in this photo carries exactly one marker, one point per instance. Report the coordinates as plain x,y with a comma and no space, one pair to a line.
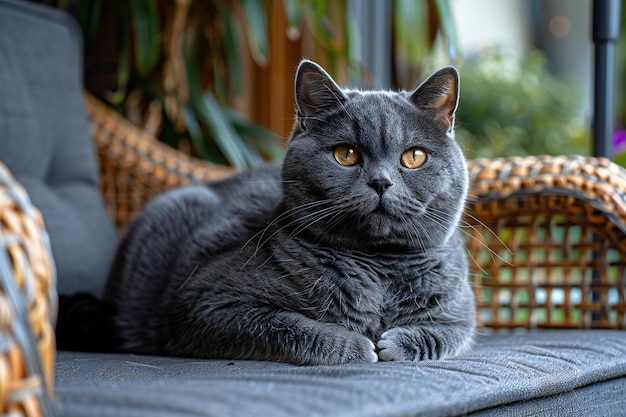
375,168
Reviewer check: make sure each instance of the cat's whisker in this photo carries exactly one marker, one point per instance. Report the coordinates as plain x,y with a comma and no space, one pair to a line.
418,227
317,119
332,223
414,237
423,232
491,231
279,218
318,215
494,255
443,219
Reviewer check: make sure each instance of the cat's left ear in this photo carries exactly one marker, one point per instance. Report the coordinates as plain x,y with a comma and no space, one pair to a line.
439,94
316,91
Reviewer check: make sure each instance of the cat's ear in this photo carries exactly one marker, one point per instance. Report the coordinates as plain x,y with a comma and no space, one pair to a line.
315,91
439,94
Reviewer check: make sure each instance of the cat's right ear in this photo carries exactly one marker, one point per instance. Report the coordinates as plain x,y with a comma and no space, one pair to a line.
316,92
439,95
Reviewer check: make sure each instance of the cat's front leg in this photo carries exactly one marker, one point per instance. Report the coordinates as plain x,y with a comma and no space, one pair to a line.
283,336
426,341
304,341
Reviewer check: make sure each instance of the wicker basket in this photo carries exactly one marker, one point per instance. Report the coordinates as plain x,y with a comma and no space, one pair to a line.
27,305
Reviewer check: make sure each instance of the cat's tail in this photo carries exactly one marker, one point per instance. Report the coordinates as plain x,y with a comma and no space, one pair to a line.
85,323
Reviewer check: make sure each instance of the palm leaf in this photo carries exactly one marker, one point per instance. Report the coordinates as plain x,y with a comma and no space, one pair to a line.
232,50
256,21
258,137
146,29
222,133
89,15
195,134
411,30
448,27
117,97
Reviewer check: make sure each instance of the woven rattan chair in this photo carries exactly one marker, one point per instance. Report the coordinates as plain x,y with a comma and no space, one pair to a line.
546,235
27,304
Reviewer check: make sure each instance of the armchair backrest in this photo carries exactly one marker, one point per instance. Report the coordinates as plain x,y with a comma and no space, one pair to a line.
45,139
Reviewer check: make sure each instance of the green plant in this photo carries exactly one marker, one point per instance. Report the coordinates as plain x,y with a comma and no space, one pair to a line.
178,68
511,108
179,63
416,25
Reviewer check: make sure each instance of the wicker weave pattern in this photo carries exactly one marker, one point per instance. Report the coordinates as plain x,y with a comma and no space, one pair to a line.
27,304
596,180
548,238
135,166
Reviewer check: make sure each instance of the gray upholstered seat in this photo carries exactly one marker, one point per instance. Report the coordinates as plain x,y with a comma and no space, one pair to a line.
565,373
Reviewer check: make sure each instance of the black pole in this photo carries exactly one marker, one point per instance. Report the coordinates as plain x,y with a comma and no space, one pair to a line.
606,16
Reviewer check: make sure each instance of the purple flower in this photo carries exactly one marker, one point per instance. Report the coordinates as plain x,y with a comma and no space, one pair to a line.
619,140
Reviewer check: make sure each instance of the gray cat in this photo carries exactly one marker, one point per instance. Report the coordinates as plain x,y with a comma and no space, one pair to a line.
350,253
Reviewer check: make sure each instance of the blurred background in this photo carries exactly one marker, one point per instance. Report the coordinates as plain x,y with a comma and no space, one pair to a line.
215,77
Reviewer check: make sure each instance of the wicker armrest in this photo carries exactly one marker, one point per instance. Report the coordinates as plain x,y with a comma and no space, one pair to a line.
548,240
27,304
135,166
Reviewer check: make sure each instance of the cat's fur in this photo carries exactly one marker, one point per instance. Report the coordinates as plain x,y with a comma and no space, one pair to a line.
317,263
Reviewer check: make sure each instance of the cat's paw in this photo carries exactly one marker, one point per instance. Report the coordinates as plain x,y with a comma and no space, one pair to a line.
349,348
396,344
359,349
410,344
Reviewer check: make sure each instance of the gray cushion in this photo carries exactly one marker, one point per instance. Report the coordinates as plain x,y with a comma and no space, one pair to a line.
45,139
538,373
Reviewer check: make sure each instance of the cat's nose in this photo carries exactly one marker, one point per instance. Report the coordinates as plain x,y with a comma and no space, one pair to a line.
380,185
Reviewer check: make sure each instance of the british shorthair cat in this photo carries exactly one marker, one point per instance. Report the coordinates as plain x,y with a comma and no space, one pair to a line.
347,253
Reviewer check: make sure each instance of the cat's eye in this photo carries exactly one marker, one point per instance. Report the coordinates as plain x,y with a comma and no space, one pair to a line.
413,158
346,155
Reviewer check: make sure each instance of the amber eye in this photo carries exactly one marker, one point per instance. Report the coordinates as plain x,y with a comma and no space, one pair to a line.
347,155
413,158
